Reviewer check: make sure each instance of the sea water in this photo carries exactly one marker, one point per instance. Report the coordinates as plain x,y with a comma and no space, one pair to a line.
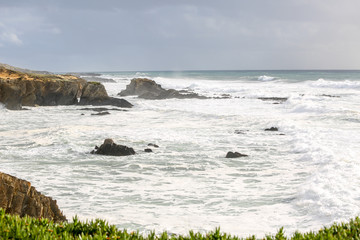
302,177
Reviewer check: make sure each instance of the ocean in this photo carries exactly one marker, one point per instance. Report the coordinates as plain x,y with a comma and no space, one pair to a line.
304,176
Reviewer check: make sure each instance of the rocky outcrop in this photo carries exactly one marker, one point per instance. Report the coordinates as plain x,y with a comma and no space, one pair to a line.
149,89
19,89
113,149
94,93
272,129
23,70
235,155
19,197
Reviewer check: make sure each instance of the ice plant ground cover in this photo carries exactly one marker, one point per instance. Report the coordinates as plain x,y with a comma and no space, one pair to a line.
15,227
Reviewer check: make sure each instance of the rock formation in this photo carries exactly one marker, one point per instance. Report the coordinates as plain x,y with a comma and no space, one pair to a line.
149,89
235,155
113,149
94,93
19,197
272,129
19,89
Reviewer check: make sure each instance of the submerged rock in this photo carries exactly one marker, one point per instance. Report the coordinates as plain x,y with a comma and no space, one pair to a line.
113,149
100,113
272,129
277,100
18,197
235,155
149,89
153,145
147,150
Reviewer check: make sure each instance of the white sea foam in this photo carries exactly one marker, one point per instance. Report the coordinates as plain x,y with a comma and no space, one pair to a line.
266,78
322,83
302,177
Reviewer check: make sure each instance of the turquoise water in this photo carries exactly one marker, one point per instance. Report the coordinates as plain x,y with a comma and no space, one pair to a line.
285,75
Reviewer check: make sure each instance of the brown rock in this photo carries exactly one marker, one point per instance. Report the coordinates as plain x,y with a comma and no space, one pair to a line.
18,197
19,89
94,93
149,89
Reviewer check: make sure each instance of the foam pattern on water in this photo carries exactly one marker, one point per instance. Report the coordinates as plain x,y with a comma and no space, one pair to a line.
302,177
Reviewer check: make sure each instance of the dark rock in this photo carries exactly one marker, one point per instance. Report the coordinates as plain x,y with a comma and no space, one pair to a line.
223,96
240,131
148,150
277,99
153,145
18,197
113,149
273,129
149,89
102,109
330,96
235,155
100,113
96,95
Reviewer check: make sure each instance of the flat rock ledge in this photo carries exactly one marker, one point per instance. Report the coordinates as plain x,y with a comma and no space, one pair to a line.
149,89
18,197
112,149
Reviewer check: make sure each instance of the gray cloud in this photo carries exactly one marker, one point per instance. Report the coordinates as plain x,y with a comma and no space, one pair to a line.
167,34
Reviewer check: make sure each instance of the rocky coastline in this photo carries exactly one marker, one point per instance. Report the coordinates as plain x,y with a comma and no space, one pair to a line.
18,197
18,89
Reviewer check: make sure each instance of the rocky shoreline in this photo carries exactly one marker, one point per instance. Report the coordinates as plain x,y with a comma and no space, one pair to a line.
18,197
18,89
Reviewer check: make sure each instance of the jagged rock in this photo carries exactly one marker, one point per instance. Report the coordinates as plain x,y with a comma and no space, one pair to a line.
149,89
19,89
95,94
235,155
147,150
113,149
18,197
272,129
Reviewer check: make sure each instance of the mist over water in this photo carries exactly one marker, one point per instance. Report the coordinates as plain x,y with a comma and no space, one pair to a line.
302,177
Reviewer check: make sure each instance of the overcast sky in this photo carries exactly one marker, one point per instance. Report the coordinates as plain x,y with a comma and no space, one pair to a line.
105,35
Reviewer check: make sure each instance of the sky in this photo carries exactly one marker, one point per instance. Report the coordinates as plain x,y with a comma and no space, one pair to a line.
144,35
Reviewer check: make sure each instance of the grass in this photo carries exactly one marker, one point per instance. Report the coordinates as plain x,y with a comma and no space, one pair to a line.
14,227
95,83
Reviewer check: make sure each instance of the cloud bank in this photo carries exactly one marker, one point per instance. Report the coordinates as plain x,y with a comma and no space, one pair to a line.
89,35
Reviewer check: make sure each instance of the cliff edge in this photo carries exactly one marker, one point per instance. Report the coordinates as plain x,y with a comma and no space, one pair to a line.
19,89
18,197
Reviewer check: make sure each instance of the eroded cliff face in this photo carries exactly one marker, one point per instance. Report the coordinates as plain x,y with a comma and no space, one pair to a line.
18,197
19,89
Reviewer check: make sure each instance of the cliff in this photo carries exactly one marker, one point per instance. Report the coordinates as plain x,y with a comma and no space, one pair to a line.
19,89
19,197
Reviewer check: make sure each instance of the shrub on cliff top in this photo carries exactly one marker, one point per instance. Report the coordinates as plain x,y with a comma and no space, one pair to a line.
14,227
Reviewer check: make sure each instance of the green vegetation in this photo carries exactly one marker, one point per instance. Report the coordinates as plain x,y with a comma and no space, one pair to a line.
95,83
14,227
